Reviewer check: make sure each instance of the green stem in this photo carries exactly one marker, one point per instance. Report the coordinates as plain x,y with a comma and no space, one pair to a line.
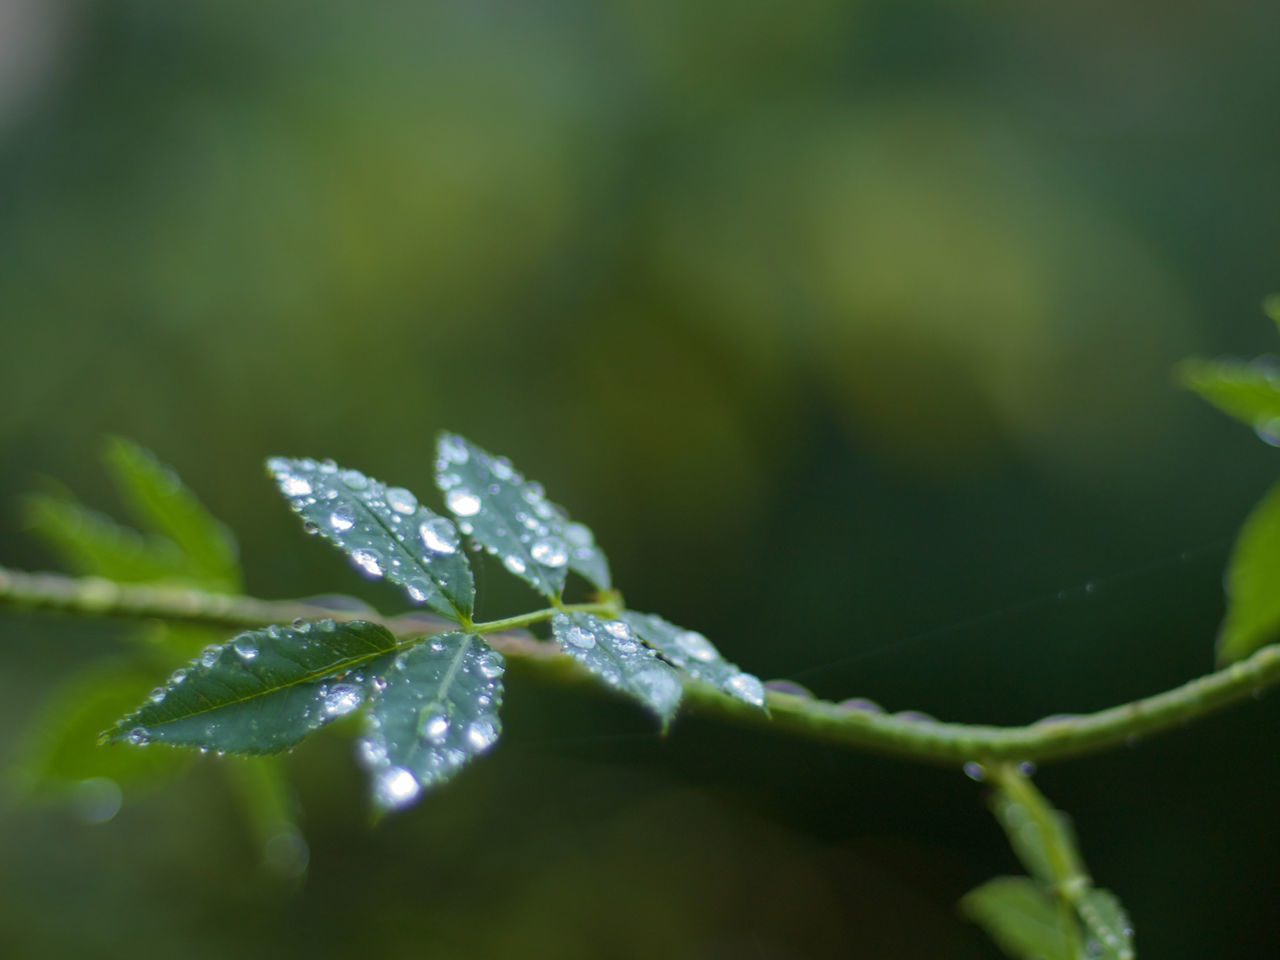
537,616
1070,880
910,737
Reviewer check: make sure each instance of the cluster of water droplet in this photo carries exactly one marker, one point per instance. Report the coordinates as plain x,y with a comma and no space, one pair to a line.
384,530
441,709
696,655
512,519
611,650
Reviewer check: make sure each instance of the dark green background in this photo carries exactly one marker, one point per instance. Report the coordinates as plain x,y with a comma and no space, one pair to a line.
847,326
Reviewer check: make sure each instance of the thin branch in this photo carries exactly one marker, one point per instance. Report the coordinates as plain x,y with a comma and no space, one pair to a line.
907,736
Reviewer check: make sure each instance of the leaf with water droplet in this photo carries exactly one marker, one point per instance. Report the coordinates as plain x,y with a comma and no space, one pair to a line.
1247,391
1023,918
438,710
263,690
1253,583
695,655
1107,923
166,507
513,518
611,651
1032,840
384,530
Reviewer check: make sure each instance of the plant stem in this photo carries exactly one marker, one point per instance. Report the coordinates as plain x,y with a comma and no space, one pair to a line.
910,737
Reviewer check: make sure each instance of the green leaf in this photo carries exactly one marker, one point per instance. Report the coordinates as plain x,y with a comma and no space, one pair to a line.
1253,583
694,654
384,530
62,749
1027,837
89,542
610,650
1250,392
1022,918
1108,924
513,519
439,709
264,690
168,508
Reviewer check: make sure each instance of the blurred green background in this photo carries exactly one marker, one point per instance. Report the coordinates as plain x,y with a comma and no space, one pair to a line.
848,326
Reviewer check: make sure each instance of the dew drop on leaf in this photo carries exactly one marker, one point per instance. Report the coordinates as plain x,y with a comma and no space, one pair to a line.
294,486
355,479
396,787
401,500
482,734
436,727
463,502
513,563
696,645
368,561
341,699
550,552
342,519
438,537
747,688
580,638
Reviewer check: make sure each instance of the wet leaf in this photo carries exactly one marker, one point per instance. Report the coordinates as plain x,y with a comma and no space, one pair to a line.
1022,918
384,530
263,690
165,506
1248,391
438,710
695,655
611,651
1027,837
514,520
1253,584
1107,924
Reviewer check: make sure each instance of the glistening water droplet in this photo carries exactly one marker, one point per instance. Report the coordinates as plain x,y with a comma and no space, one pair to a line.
343,518
341,699
746,687
462,502
550,552
401,500
396,787
438,536
696,645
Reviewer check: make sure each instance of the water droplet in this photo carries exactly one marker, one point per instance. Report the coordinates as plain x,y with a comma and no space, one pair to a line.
453,448
368,561
533,492
501,468
354,479
975,771
696,645
437,646
746,687
209,655
482,734
177,676
617,629
138,736
513,563
396,787
550,552
341,699
583,639
158,695
343,518
436,727
294,485
490,666
463,502
401,500
579,535
310,527
662,686
438,536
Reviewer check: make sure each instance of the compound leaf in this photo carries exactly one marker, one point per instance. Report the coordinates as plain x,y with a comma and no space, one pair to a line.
264,690
384,530
695,655
513,519
438,709
1249,392
1253,583
165,506
1022,918
611,651
1107,924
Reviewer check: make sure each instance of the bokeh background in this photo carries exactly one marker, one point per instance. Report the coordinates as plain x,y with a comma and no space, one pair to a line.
848,326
